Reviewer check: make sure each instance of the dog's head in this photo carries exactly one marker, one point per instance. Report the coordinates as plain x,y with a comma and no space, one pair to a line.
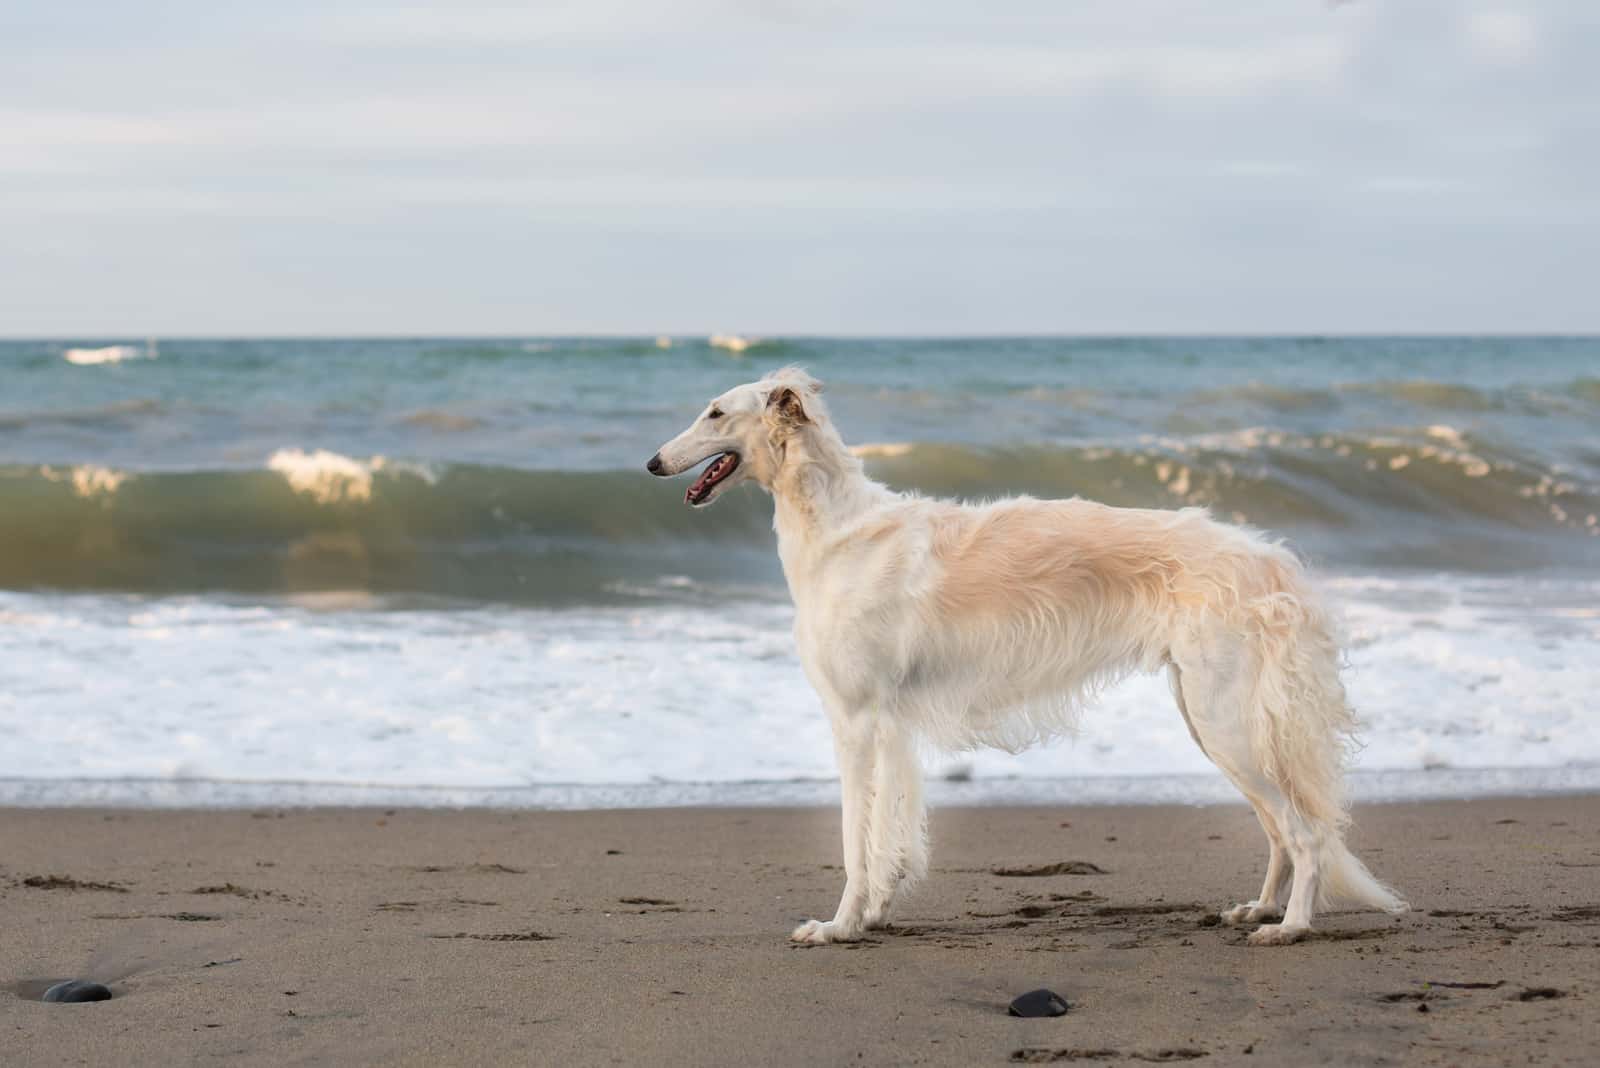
744,433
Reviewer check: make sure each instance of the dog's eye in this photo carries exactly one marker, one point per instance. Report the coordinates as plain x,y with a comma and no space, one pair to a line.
715,413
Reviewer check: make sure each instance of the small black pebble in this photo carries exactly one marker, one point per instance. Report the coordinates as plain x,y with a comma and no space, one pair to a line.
1039,1002
77,990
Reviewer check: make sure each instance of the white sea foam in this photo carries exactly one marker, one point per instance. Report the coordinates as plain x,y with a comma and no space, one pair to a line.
1448,674
731,342
329,477
87,480
325,476
883,450
109,354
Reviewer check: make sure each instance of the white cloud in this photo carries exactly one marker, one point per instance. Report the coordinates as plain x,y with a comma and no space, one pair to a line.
44,128
1260,168
1503,36
914,164
1409,184
494,26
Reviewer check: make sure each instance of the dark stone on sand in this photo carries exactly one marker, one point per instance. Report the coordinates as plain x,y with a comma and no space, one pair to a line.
77,990
1039,1002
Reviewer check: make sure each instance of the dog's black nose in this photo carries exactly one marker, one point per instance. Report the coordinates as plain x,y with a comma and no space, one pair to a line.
654,466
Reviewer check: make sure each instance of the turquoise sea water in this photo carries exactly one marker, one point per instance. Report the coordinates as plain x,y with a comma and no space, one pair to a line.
439,561
507,470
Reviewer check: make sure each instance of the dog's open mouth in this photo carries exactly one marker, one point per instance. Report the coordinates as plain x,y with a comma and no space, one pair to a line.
718,470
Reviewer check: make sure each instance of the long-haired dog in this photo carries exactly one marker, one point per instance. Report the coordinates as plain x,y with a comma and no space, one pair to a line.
964,625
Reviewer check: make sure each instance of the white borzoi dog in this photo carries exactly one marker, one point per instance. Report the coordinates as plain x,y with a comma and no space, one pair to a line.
963,625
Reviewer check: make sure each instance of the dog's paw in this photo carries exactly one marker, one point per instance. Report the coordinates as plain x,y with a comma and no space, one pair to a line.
1251,912
821,932
1277,934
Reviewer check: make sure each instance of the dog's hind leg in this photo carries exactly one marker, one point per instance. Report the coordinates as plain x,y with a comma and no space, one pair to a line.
853,743
1212,693
897,849
1268,905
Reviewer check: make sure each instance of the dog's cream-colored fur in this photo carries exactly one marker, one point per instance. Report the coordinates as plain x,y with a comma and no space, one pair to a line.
966,625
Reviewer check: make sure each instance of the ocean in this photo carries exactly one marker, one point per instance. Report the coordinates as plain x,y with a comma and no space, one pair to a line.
434,571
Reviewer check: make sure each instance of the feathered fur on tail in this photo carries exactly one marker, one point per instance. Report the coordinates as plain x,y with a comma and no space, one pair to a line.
1303,729
1346,881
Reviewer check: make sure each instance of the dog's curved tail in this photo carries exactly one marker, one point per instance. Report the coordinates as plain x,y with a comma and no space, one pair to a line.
1303,729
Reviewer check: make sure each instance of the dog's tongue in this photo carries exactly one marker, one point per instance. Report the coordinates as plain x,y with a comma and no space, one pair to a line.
700,484
713,472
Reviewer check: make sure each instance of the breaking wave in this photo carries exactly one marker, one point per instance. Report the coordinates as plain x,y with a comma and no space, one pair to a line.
317,520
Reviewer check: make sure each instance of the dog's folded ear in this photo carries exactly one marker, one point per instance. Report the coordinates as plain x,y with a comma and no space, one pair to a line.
785,406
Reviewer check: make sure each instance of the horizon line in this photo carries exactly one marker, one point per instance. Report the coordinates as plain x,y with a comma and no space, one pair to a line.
754,336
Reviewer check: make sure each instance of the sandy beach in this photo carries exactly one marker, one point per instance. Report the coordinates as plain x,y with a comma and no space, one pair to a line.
432,937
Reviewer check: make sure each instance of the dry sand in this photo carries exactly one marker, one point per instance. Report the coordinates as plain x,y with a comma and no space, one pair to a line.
658,937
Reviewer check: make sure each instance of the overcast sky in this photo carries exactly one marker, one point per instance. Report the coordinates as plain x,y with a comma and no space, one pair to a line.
934,166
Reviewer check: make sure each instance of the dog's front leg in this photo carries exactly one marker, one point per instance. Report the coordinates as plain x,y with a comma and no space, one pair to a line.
853,744
897,831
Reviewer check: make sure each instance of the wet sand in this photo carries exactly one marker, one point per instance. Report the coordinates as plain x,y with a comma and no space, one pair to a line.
659,937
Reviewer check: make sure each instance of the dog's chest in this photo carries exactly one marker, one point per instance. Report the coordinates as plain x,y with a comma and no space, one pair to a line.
855,625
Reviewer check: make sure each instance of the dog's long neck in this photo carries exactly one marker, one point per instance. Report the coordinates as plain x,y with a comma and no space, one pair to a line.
820,489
